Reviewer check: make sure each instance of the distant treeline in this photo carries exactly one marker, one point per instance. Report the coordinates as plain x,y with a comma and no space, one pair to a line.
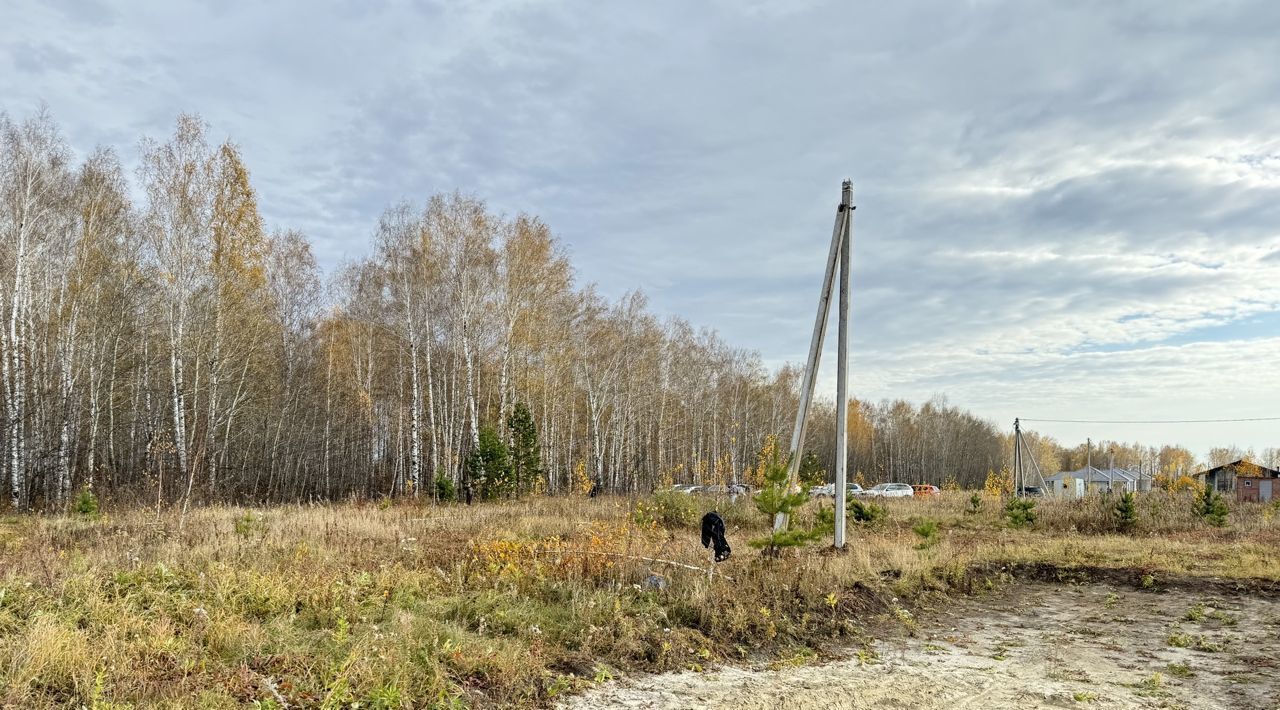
175,348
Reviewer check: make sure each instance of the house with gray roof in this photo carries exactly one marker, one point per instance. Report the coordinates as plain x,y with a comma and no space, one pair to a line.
1091,479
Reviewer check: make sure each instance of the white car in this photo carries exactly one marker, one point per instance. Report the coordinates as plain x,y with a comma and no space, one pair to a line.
826,491
829,491
891,490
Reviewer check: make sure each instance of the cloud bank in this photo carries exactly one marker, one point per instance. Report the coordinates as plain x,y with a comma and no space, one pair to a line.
1066,210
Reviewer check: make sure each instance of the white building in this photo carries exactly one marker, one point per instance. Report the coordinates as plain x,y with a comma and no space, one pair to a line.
1090,479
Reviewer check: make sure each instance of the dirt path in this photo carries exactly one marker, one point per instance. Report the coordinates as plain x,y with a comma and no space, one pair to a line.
1032,646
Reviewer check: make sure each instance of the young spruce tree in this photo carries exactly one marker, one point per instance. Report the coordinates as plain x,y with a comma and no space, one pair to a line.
525,464
775,497
488,465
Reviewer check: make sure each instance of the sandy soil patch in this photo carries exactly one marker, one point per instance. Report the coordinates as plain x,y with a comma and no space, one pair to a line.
1031,646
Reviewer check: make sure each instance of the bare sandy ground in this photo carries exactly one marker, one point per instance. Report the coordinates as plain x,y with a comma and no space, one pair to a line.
1031,646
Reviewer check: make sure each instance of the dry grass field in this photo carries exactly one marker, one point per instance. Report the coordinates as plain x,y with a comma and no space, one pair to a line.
528,602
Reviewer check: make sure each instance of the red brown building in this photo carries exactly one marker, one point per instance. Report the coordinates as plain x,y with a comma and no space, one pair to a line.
1251,482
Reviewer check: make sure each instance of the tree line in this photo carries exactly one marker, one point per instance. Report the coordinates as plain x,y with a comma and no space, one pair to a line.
173,348
160,343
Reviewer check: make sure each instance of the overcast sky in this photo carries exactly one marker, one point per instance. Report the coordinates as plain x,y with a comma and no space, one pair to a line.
1065,209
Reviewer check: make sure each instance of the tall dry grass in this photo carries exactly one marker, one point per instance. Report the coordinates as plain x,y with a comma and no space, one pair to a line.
500,604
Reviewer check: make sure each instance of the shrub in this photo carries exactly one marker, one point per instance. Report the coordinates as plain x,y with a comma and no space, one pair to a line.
1211,506
446,492
1126,511
1020,512
667,509
998,484
86,504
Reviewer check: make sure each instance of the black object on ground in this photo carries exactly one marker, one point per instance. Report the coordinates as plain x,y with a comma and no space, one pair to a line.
713,534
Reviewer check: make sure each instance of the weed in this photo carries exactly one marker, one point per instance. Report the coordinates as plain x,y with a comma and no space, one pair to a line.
1195,613
247,524
1199,642
1152,686
667,509
1179,670
905,618
1204,644
1224,618
1084,696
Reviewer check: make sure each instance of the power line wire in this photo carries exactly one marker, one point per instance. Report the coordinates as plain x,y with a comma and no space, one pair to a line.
1150,421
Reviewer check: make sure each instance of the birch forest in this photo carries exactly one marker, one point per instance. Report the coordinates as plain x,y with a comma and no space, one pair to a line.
161,344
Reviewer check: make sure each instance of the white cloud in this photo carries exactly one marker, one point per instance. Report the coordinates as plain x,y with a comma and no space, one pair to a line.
1060,204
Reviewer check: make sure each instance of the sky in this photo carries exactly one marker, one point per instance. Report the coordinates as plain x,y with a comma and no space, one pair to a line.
1064,210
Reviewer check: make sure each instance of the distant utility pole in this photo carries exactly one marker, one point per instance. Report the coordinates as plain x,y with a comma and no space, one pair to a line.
1019,477
1021,450
838,254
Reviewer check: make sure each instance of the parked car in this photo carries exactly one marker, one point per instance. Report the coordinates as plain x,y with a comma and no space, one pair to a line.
829,491
925,489
1032,491
891,490
685,488
739,489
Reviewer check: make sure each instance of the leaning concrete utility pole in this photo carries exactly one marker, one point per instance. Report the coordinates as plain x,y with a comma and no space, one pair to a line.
838,237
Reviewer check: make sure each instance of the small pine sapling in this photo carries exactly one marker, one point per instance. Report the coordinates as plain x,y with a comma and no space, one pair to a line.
1126,511
975,504
866,514
446,492
927,529
775,497
86,504
1211,507
1020,512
